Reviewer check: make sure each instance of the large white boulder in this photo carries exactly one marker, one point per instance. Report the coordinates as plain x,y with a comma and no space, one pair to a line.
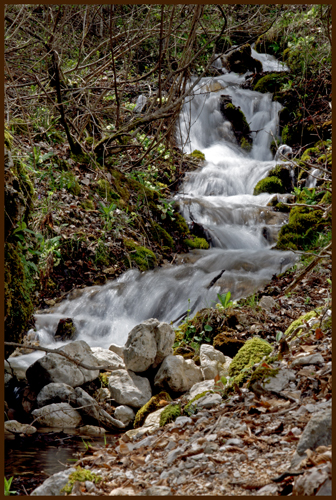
205,385
119,350
212,361
178,374
108,358
148,344
60,415
129,389
56,368
54,393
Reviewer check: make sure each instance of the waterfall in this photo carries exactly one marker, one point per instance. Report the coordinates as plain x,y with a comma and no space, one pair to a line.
219,196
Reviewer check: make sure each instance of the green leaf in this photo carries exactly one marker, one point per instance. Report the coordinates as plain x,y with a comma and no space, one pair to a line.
278,336
208,328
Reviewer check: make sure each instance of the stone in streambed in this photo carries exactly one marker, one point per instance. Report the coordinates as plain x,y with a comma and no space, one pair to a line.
178,374
129,389
56,368
54,393
60,415
54,484
148,344
108,358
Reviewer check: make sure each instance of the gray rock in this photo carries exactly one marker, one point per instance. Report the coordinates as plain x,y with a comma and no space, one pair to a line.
108,358
178,374
205,385
125,414
316,433
207,401
280,381
54,393
157,491
91,430
212,361
16,427
60,415
325,489
182,421
119,350
312,359
123,492
269,490
54,484
129,389
140,103
89,407
148,344
210,447
172,455
234,442
56,368
307,484
267,303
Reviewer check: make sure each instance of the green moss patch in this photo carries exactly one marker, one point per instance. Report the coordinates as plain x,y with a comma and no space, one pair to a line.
198,154
269,185
252,352
141,256
196,243
269,83
300,321
170,414
152,405
81,475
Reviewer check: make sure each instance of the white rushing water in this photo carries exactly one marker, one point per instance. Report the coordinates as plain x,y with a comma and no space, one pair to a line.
218,196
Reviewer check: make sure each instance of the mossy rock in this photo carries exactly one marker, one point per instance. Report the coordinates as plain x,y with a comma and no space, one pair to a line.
170,414
229,346
196,243
252,352
282,173
280,207
161,236
186,352
80,475
272,82
269,185
241,60
327,198
179,224
191,407
143,257
198,154
61,163
245,144
302,229
19,306
152,405
82,159
238,121
66,330
301,320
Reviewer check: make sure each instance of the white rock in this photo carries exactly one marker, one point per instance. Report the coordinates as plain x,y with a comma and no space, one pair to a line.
158,491
108,358
281,380
102,394
91,430
211,360
311,359
148,344
54,393
56,368
58,415
54,484
16,427
125,414
119,350
182,421
205,385
129,389
122,492
178,373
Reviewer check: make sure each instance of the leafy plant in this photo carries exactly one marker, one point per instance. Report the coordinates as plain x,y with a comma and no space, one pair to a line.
8,483
166,209
107,214
224,300
311,195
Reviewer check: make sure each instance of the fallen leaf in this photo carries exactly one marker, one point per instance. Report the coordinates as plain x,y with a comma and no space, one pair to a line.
318,334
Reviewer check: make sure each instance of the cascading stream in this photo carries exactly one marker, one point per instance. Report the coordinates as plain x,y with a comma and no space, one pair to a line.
219,196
